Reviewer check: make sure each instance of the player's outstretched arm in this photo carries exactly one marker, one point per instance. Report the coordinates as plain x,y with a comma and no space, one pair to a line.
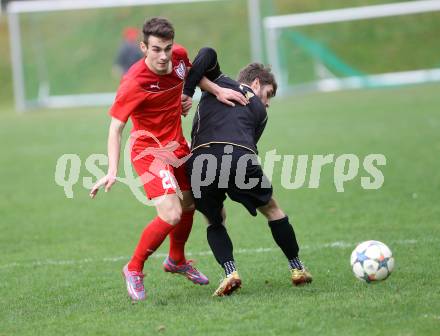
113,147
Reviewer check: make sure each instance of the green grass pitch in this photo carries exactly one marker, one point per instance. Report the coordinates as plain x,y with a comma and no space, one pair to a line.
61,258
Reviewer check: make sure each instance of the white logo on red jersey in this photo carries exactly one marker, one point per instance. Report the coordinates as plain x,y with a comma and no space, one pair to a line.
180,70
155,86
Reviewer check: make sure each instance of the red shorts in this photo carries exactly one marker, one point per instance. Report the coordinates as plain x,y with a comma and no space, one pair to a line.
158,176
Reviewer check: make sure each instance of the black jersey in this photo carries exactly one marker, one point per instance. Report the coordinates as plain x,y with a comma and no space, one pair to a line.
216,122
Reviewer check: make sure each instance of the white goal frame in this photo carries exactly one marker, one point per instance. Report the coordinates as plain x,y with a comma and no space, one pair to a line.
273,24
15,8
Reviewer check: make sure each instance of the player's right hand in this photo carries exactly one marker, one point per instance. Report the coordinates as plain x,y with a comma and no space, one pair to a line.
107,181
229,96
186,104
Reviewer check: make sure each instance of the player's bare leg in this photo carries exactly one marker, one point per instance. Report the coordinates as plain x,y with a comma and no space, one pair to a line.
284,236
169,208
176,261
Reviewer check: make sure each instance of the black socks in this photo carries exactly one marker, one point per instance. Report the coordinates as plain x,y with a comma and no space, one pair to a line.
221,246
284,236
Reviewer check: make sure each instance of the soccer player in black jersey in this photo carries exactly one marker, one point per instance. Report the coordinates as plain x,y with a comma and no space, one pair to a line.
224,162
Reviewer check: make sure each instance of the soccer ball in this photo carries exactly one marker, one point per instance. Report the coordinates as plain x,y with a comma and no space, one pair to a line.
372,261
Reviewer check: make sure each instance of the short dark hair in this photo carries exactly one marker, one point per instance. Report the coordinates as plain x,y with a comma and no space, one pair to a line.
159,27
257,70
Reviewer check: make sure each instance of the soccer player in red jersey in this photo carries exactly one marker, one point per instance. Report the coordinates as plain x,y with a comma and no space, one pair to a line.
150,94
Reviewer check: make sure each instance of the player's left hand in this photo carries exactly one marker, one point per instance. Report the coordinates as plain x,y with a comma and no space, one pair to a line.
186,104
229,96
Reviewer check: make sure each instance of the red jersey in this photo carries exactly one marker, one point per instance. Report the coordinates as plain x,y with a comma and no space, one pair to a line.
153,102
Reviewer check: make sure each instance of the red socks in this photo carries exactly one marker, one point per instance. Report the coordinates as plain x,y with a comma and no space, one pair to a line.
152,237
179,236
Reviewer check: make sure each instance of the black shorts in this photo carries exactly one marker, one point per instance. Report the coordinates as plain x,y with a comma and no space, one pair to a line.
211,180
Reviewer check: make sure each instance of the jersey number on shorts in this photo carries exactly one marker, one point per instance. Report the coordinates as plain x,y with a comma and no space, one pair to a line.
167,179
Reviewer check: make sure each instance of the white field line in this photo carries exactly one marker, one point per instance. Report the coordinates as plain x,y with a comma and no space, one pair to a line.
332,245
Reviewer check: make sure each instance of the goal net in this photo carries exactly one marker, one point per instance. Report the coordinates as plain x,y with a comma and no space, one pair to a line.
63,51
360,47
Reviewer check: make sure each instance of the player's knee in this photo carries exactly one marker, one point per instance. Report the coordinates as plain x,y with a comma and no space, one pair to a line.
275,214
172,216
272,211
